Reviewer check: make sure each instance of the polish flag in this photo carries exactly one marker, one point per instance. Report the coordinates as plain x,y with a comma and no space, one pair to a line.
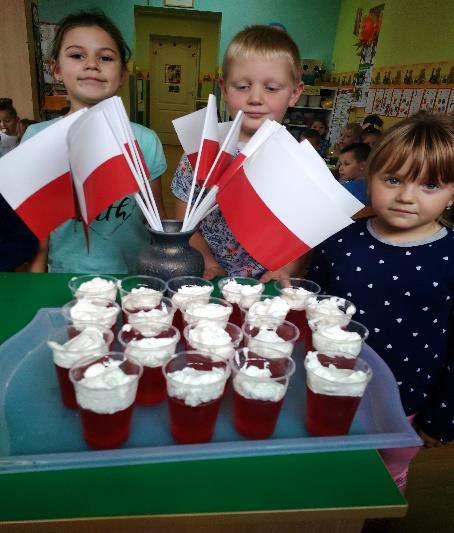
101,173
276,213
35,178
189,130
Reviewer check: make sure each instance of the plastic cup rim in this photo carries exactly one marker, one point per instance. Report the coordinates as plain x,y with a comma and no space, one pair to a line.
211,358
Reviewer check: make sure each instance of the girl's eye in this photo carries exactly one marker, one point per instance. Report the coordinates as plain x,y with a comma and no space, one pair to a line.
392,180
76,56
431,186
241,87
107,58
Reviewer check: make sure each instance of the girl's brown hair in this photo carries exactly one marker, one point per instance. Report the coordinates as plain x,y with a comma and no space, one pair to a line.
267,41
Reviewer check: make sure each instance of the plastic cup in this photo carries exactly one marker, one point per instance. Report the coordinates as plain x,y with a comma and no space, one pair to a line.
106,410
269,340
293,292
215,311
152,384
141,293
219,348
97,311
319,316
181,299
195,386
333,394
82,287
234,297
259,387
259,314
151,321
65,356
330,342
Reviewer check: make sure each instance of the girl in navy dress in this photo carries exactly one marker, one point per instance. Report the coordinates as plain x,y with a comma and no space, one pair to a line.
397,268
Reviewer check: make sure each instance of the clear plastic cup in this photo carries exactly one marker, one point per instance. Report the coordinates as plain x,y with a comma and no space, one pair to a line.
91,311
180,298
195,386
106,400
334,393
152,353
94,286
200,340
269,311
151,321
240,295
141,293
259,387
69,345
336,341
295,292
339,312
264,340
215,311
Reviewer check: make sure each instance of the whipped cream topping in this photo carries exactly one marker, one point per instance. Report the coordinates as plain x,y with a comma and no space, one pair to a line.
151,322
209,338
141,297
191,293
259,387
328,311
267,341
216,313
195,387
92,311
152,351
296,297
105,388
268,312
242,294
333,381
97,287
90,341
333,338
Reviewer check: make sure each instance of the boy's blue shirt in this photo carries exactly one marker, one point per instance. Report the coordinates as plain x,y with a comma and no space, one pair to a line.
358,188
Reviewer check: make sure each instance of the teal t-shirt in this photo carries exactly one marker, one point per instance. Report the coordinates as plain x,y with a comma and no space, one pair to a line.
117,234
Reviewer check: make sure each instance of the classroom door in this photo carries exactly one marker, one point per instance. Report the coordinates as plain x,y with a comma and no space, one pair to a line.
174,76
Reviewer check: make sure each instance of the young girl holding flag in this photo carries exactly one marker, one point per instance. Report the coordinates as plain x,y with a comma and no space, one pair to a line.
90,58
262,78
397,268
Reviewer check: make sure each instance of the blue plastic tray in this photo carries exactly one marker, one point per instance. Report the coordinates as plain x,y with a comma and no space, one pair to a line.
37,432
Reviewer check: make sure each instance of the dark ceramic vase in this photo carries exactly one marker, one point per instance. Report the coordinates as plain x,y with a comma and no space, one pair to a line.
169,254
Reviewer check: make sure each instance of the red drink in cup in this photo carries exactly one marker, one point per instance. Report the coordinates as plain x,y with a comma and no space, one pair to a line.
68,346
195,385
105,391
259,387
151,320
140,293
241,293
295,292
333,395
264,340
152,353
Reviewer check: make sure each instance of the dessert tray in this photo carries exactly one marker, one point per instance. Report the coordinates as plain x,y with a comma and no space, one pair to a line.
37,432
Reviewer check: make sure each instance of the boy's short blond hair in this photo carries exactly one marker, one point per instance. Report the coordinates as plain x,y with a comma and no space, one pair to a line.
267,41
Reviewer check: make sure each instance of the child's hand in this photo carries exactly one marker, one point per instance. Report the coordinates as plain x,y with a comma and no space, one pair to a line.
212,270
429,442
279,275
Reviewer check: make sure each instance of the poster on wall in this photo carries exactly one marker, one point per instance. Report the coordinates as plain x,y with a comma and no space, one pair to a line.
428,99
340,116
441,100
450,107
378,102
172,74
387,101
405,102
416,101
395,102
370,100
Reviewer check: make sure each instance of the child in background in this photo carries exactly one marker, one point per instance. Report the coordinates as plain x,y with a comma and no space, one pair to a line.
397,269
22,126
372,121
8,126
371,136
352,167
321,126
261,77
313,136
90,56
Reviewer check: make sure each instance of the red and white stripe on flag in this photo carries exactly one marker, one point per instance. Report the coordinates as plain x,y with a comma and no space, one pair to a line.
100,171
189,130
209,146
35,179
274,212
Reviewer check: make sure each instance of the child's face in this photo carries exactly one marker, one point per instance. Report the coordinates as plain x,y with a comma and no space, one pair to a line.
8,123
347,137
89,65
409,206
262,88
319,126
350,168
371,139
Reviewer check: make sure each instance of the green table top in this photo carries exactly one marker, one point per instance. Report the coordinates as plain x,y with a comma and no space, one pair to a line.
281,482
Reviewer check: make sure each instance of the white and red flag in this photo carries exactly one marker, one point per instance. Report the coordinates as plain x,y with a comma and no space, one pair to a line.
274,211
100,170
35,178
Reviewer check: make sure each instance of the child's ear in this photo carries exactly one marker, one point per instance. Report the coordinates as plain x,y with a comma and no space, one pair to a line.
296,93
55,71
222,85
